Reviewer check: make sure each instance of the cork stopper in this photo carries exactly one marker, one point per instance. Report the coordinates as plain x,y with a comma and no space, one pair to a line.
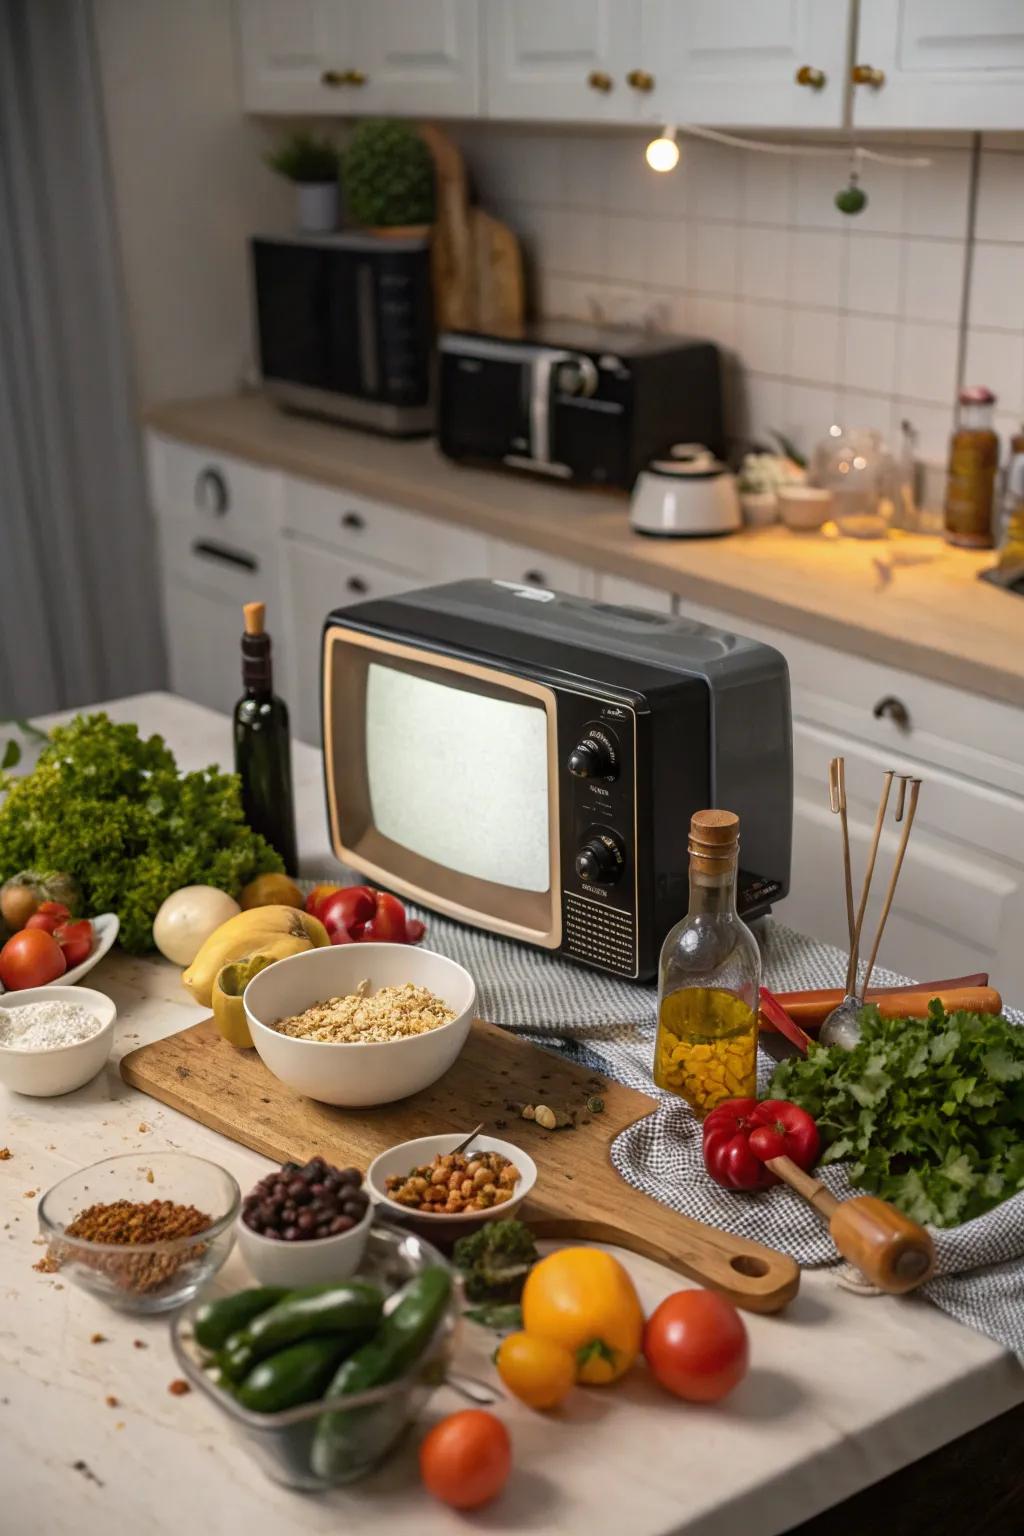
254,617
714,841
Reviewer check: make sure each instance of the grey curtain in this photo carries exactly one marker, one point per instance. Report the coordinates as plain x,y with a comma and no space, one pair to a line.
79,616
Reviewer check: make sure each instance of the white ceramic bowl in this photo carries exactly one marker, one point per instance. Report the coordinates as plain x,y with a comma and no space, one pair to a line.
318,1261
60,1068
804,507
407,1155
364,1073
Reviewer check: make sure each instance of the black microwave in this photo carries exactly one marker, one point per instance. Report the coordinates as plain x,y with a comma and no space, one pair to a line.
580,402
528,762
345,327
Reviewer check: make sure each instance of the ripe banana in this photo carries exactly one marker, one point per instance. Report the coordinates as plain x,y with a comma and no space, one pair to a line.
274,931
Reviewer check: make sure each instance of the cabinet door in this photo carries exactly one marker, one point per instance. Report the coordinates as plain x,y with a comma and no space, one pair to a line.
940,64
203,633
317,580
415,56
565,60
530,568
292,52
740,61
630,594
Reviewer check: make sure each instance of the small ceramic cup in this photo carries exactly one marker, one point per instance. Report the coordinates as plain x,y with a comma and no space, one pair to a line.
804,508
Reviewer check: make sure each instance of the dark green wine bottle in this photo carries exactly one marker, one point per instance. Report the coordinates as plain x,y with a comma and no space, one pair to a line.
263,759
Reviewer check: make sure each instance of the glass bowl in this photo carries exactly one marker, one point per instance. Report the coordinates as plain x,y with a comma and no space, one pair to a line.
142,1277
285,1444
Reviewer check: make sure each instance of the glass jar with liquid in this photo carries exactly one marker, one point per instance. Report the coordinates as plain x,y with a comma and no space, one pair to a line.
709,979
973,462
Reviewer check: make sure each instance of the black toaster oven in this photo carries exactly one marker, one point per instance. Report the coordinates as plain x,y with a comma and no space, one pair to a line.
528,762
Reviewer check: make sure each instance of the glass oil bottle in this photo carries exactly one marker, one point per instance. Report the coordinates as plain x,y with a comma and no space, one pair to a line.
263,759
709,979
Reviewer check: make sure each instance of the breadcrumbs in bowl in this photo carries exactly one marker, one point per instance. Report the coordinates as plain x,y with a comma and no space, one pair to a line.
393,1013
360,1024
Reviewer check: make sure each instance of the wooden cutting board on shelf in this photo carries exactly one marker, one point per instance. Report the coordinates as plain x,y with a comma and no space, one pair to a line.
578,1194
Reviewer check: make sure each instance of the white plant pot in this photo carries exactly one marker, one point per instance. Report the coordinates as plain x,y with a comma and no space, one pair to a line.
759,508
317,206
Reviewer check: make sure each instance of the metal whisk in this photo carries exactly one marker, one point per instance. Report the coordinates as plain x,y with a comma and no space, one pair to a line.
841,1026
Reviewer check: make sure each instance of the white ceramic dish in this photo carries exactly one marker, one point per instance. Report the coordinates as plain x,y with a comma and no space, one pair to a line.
58,1069
104,932
318,1261
364,1073
407,1155
803,508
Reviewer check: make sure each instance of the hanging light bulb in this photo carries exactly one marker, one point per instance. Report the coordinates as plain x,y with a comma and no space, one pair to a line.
662,154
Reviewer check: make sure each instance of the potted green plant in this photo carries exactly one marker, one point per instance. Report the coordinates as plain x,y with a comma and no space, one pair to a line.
388,173
312,164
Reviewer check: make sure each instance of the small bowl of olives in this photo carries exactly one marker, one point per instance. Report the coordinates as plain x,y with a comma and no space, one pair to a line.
305,1224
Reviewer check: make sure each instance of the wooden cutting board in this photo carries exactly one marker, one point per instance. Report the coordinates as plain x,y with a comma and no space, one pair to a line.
578,1194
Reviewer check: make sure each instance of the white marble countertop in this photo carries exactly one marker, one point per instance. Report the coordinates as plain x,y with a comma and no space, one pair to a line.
842,1391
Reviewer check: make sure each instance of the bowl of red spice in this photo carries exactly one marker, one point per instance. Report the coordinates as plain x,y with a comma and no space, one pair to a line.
142,1231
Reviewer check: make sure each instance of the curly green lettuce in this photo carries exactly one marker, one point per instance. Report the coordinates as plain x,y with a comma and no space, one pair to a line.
927,1113
111,808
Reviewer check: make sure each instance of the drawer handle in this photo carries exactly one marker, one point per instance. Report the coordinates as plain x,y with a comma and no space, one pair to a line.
891,708
353,520
212,492
357,584
206,549
535,578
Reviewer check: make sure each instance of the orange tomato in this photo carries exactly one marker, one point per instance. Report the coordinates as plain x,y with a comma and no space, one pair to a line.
465,1460
696,1345
319,894
584,1300
537,1371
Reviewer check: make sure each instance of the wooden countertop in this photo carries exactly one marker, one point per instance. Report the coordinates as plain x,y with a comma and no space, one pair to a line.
911,602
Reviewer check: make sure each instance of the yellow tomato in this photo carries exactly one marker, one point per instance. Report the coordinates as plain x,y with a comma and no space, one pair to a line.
536,1370
270,891
584,1300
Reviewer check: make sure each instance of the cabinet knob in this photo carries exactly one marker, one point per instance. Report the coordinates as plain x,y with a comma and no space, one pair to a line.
356,584
599,81
864,74
211,493
640,80
814,78
535,578
332,77
353,520
353,77
891,708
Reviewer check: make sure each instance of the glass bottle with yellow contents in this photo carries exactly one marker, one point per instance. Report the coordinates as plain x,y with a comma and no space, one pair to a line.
709,979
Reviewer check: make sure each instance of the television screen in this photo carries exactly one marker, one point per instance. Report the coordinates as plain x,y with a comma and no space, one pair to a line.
458,777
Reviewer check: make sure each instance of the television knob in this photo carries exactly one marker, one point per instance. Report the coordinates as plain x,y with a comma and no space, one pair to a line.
601,859
577,376
594,757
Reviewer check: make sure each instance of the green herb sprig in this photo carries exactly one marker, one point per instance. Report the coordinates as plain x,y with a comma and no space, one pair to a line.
927,1113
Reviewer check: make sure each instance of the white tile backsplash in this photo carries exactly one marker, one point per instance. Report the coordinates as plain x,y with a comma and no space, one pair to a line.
820,315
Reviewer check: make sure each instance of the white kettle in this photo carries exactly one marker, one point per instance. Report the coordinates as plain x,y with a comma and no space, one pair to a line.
691,494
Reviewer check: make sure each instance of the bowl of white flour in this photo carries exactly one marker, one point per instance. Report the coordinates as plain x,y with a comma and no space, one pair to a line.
54,1039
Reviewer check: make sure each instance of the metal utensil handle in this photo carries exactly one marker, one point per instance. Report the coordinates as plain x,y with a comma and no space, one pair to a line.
851,969
911,811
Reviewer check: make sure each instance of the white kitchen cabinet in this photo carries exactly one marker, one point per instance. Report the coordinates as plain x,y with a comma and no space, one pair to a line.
754,63
368,529
529,568
939,64
630,594
316,580
360,56
565,61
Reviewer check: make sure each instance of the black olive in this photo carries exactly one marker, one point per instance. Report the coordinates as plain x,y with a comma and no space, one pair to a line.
341,1224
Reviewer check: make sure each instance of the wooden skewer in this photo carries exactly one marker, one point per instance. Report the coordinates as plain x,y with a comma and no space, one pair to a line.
837,802
891,1250
911,811
851,969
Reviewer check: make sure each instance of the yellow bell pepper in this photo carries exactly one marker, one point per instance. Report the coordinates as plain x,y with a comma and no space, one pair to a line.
584,1300
228,985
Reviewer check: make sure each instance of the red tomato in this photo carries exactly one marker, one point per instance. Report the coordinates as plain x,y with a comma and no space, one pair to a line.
318,894
75,939
46,922
465,1460
696,1345
348,907
414,930
31,959
387,925
57,908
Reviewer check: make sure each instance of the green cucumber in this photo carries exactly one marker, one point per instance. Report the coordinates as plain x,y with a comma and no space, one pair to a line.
399,1341
298,1374
354,1307
217,1320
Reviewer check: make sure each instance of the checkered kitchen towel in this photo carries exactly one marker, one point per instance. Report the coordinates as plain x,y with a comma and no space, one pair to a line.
609,1025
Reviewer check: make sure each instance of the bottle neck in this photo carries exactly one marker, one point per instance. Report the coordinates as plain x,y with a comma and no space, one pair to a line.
257,667
713,895
976,416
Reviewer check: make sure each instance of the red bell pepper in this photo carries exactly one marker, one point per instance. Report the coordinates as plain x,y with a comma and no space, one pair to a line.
740,1135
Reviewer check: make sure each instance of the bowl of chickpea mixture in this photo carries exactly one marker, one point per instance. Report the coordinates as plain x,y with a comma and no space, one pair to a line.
424,1184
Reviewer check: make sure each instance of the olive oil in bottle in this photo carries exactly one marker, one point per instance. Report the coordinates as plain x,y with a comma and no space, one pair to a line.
709,979
263,758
